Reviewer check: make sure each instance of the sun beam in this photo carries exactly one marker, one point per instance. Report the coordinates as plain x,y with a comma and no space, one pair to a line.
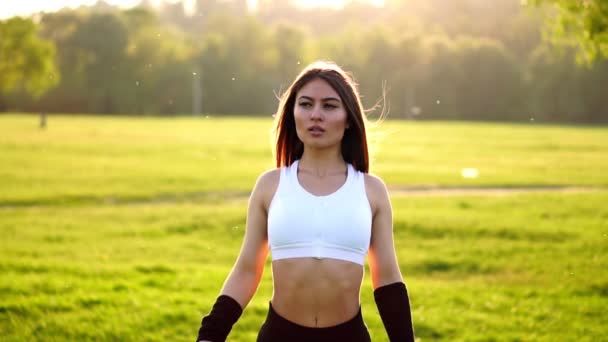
12,8
335,4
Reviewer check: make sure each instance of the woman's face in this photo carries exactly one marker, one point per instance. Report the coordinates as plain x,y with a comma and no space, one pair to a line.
320,115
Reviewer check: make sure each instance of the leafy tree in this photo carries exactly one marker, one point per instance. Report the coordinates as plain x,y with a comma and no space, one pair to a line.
293,51
26,60
70,95
579,23
470,78
92,55
118,62
158,71
102,40
562,91
237,63
469,59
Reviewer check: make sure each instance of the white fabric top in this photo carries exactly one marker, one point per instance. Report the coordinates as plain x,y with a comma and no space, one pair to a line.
336,226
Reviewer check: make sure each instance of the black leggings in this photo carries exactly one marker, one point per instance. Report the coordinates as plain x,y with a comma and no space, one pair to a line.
278,329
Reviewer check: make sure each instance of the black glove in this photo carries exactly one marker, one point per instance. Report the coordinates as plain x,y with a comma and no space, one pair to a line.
217,324
394,307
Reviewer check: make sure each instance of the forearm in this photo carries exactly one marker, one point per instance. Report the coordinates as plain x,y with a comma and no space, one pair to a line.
242,285
238,290
386,278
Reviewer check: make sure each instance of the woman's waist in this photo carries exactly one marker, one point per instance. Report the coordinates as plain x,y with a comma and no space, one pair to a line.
316,299
319,310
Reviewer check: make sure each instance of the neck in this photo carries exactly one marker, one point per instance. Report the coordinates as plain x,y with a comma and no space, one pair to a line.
322,162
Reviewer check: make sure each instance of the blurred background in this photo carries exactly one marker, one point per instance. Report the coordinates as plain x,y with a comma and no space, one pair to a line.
132,133
505,60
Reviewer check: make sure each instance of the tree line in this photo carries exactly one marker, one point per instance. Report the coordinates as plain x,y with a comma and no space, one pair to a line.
431,59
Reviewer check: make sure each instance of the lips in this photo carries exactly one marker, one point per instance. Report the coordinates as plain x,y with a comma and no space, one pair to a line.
316,129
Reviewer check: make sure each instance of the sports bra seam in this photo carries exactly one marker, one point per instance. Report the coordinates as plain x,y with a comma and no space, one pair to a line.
323,244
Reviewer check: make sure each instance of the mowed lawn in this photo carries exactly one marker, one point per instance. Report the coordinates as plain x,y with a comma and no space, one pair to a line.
87,159
124,229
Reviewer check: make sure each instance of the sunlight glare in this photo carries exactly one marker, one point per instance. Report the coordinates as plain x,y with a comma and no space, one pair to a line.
27,7
334,4
469,172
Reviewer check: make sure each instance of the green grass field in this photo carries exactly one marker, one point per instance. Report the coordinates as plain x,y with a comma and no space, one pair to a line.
124,229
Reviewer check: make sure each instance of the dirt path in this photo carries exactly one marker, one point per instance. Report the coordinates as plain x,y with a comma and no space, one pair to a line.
489,191
212,196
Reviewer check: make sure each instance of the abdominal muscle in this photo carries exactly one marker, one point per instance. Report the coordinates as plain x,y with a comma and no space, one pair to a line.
316,292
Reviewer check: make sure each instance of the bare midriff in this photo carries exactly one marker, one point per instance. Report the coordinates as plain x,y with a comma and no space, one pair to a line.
316,292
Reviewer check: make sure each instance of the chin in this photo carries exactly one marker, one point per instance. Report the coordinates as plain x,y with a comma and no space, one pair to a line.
321,145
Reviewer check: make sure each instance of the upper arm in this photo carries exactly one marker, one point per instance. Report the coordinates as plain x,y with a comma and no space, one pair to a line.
382,258
245,276
254,249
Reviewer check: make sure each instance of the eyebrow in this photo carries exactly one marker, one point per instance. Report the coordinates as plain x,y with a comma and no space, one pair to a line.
325,99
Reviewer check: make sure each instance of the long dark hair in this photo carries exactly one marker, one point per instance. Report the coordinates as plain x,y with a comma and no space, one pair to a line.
354,143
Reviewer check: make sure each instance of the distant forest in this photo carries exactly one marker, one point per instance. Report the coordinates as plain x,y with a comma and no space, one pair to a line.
419,59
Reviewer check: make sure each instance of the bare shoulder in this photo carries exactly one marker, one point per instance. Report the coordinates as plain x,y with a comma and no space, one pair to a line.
376,190
374,183
269,178
266,186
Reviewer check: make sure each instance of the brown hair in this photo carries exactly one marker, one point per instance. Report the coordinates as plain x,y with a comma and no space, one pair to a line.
354,143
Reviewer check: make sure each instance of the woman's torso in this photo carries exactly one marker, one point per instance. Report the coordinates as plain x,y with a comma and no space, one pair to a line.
320,290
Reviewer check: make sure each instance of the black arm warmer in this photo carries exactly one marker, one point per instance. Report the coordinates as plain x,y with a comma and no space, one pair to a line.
394,307
217,324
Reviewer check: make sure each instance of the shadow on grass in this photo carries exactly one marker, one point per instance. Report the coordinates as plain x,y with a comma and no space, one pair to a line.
432,232
426,332
443,266
599,289
154,269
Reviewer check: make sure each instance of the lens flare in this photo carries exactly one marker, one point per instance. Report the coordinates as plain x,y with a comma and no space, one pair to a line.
469,172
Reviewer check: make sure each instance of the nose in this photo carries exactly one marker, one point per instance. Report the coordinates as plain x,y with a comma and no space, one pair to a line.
316,113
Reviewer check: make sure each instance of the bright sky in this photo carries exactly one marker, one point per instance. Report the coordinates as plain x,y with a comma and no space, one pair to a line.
10,8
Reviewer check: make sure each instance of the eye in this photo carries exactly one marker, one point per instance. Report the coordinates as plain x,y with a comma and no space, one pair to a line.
305,104
330,106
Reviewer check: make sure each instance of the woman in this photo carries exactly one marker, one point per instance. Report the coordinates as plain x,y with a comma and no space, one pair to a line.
319,213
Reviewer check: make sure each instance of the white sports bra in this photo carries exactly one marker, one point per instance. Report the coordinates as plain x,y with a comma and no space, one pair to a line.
336,226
